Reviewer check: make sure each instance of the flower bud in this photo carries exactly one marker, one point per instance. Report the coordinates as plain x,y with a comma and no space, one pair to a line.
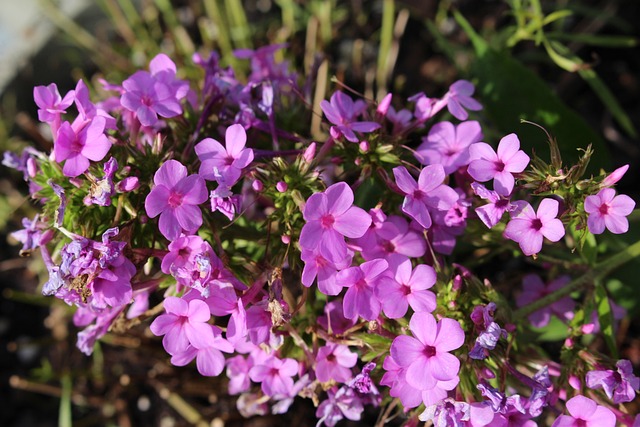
257,185
364,146
309,153
384,105
614,176
282,186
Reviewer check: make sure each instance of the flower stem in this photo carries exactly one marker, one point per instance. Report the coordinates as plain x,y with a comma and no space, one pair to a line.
599,271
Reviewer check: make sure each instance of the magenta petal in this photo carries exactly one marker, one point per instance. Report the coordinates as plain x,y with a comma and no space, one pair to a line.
417,210
193,190
311,235
424,327
444,366
517,163
157,201
75,165
508,146
450,335
210,362
316,207
623,205
503,182
592,203
339,198
548,209
176,305
209,148
162,62
198,311
456,109
420,376
580,406
189,217
553,230
616,224
353,223
185,357
162,324
596,223
602,417
482,150
169,225
431,177
404,180
199,335
235,139
170,173
405,350
330,112
482,170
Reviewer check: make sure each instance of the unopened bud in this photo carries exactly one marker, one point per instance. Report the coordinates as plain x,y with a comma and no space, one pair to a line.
384,105
309,153
257,185
364,146
615,176
574,382
282,186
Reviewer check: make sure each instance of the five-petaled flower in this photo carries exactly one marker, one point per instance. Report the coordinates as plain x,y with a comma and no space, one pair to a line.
175,198
529,228
225,164
605,209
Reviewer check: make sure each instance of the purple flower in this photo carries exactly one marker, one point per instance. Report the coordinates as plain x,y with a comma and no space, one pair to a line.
330,215
275,375
448,145
605,209
51,105
390,235
491,213
619,385
447,413
112,286
209,360
334,362
528,227
360,299
459,97
343,113
102,189
238,372
486,164
154,94
184,323
333,319
500,403
428,192
426,355
345,403
534,289
584,412
30,235
487,340
77,146
325,270
408,289
175,198
225,164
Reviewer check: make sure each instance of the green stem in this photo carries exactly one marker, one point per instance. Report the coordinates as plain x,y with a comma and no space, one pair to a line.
598,272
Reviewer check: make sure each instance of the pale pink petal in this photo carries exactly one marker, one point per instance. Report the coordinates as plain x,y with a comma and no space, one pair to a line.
75,165
162,324
209,148
623,205
553,230
311,235
564,421
162,62
405,350
422,300
198,311
184,357
482,170
503,182
616,224
580,406
442,198
315,207
168,225
602,417
443,366
424,327
517,163
548,209
193,190
431,177
482,150
199,335
210,362
596,223
508,146
177,306
353,223
417,210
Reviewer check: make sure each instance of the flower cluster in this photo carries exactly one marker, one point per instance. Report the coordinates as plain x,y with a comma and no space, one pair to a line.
213,199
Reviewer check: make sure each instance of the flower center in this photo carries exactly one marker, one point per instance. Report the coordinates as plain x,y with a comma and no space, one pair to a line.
175,199
327,221
418,194
580,423
76,145
604,209
229,161
389,247
406,290
429,351
331,357
499,166
536,224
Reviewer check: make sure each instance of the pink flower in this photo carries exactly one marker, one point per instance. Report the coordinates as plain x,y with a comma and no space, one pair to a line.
325,270
428,192
448,145
585,413
486,164
330,215
620,385
459,97
528,228
360,299
184,323
78,146
225,164
426,355
408,289
390,235
275,375
175,198
209,360
605,209
491,213
334,362
343,113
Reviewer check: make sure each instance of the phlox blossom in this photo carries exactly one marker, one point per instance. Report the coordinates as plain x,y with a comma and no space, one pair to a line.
448,144
175,198
605,209
343,113
426,354
486,164
584,412
77,146
224,164
334,362
528,227
275,375
619,385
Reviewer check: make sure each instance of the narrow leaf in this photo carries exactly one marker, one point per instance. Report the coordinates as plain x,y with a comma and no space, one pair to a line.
605,317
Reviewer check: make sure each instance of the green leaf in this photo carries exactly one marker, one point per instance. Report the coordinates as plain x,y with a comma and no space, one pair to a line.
556,330
510,92
605,317
595,40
